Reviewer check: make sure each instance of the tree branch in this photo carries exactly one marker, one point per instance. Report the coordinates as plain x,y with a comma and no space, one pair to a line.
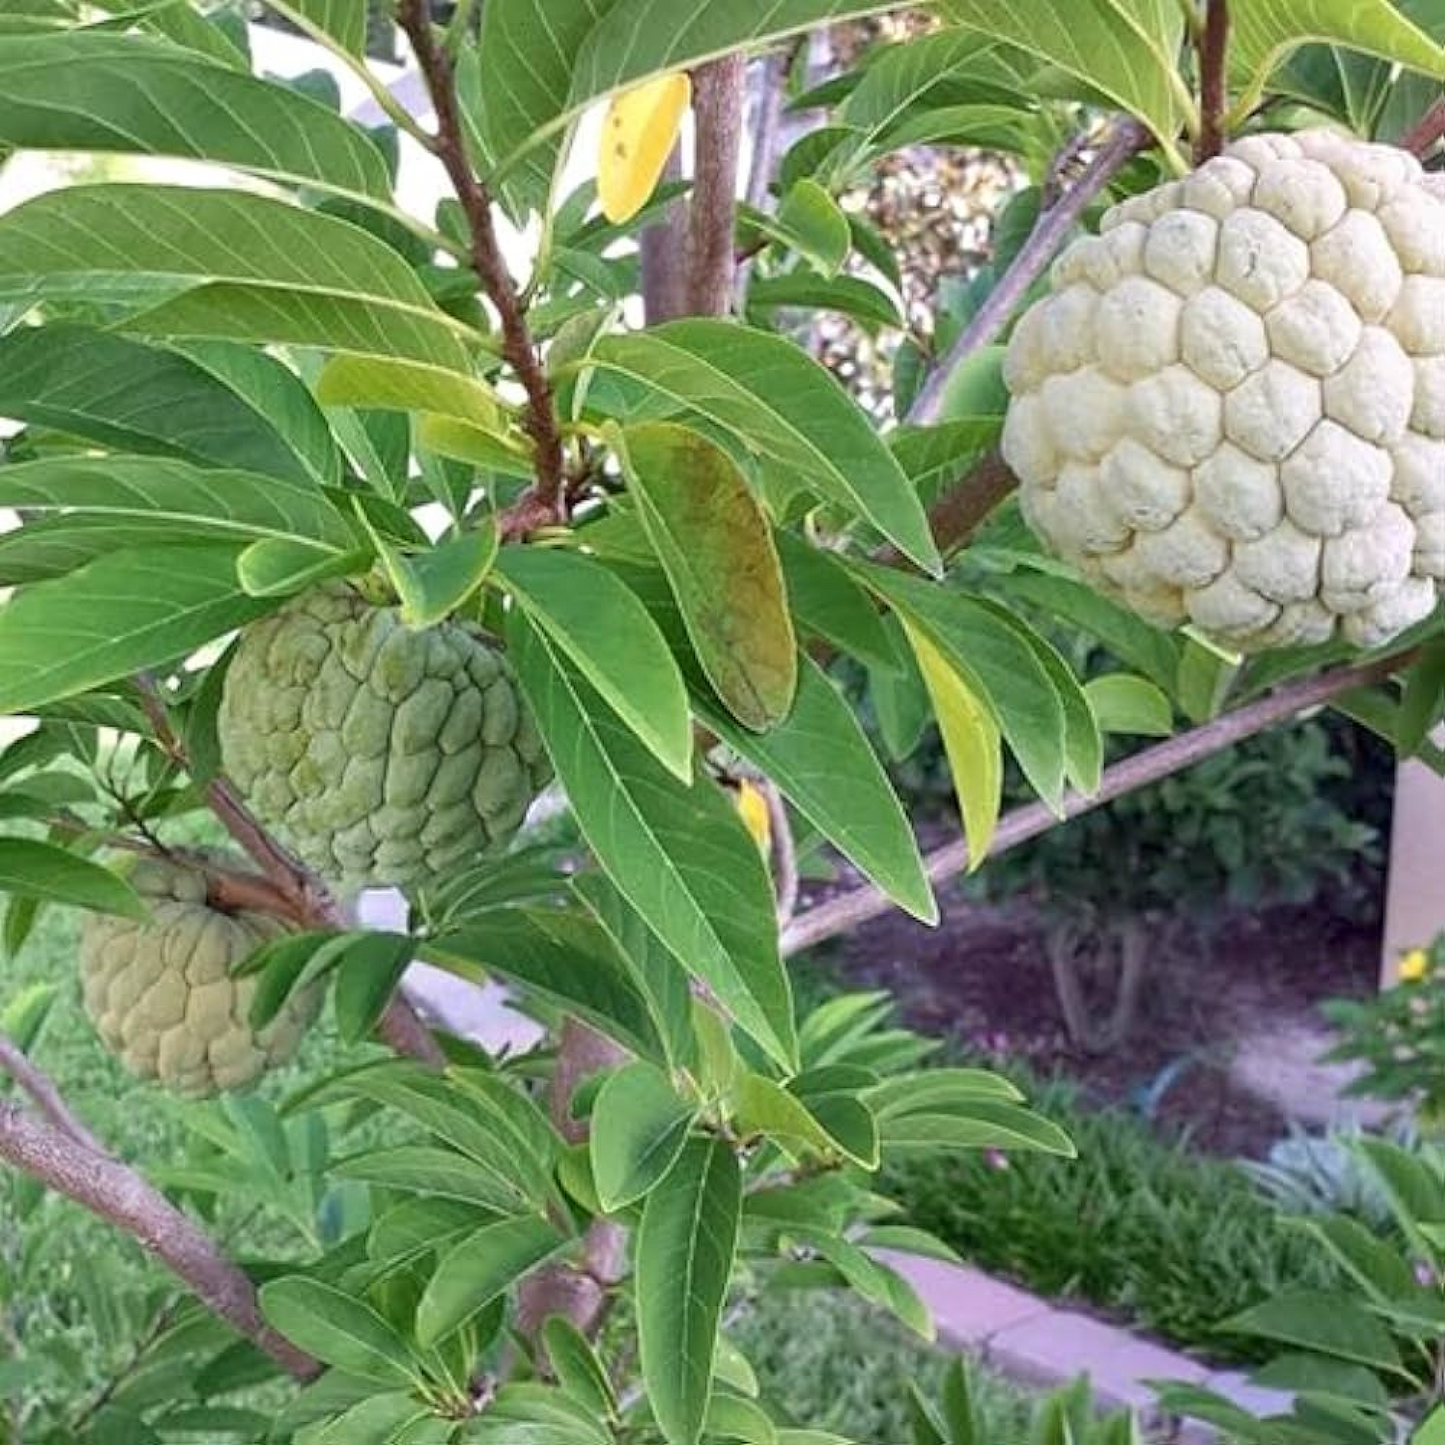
768,122
1151,765
785,852
1213,81
1427,132
118,1195
1126,139
549,495
719,92
663,250
46,1097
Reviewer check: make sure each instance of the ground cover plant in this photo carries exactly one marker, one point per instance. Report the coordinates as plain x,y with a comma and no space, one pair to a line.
342,525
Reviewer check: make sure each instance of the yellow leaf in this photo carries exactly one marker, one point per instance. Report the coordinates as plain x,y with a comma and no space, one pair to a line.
972,741
638,135
753,809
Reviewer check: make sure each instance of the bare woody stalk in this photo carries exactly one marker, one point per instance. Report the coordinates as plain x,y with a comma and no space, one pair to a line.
719,99
1151,765
1213,81
106,1187
45,1096
547,501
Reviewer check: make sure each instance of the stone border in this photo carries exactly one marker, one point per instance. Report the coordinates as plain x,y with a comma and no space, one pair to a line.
1028,1339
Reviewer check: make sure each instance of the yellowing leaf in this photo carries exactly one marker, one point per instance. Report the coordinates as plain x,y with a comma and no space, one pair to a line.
404,386
638,135
753,809
972,741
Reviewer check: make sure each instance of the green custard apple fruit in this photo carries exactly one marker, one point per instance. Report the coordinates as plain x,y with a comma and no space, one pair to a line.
162,996
379,755
1231,409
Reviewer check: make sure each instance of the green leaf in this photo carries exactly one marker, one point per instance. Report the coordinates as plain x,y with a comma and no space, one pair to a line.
564,958
1002,668
827,601
1263,33
815,225
763,1107
200,502
246,267
606,633
92,91
367,975
278,567
717,549
119,615
338,1330
1333,1324
473,1273
678,854
776,402
137,398
866,303
578,1369
1423,701
434,583
422,1169
974,1124
639,1127
369,381
971,740
343,20
820,742
874,1281
1124,704
482,446
1126,50
685,1251
31,869
938,1090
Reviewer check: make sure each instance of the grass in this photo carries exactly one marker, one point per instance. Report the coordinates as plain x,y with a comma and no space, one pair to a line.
1135,1226
832,1363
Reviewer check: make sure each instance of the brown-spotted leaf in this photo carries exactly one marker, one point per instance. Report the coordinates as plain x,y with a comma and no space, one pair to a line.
716,546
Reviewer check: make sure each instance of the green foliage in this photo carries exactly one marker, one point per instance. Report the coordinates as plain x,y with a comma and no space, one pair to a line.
1135,1226
1399,1035
327,524
1373,1339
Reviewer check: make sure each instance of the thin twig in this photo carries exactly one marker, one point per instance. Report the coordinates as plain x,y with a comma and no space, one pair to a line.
120,1196
45,1096
785,852
1213,81
1127,138
719,92
962,509
846,912
449,145
772,83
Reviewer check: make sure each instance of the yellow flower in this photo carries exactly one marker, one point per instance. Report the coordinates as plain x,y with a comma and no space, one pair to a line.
1414,966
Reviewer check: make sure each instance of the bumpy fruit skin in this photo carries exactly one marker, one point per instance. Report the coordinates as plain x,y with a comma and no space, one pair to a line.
378,755
1231,409
161,995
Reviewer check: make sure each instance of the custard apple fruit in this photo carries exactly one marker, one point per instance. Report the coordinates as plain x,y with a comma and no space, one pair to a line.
161,993
378,755
1231,409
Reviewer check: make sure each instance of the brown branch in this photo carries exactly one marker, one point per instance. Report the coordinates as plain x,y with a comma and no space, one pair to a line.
663,249
1213,81
1422,137
772,81
719,92
784,850
45,1096
449,145
1126,139
120,1196
846,912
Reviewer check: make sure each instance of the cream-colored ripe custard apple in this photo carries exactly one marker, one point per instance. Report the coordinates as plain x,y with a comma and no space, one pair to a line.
1231,409
379,755
161,993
